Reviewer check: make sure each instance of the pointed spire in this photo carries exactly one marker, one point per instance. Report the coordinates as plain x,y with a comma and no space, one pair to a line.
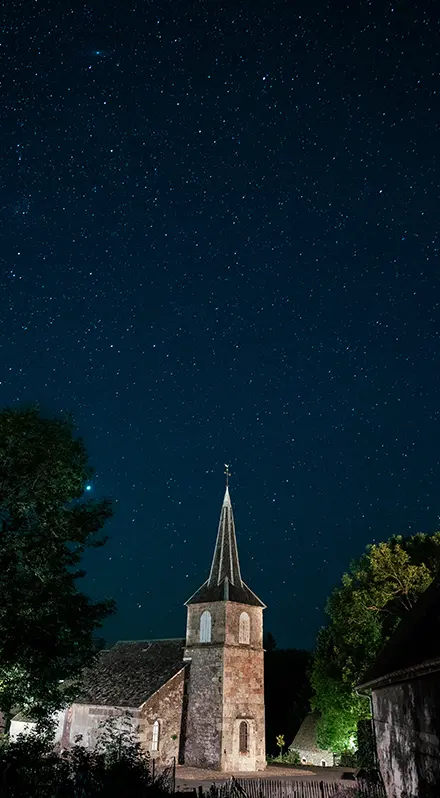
224,582
227,498
225,563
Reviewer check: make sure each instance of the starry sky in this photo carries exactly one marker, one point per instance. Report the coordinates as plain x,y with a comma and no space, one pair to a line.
220,243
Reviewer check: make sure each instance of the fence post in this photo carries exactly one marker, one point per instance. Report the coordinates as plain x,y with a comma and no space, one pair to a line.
321,787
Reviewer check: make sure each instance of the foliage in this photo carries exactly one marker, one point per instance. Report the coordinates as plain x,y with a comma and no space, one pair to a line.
376,592
366,753
117,737
280,743
289,758
348,759
47,625
287,693
292,757
30,767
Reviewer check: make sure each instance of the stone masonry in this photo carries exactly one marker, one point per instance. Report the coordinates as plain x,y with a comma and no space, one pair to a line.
165,706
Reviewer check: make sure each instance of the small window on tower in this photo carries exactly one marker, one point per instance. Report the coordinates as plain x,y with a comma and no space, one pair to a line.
155,741
243,738
244,629
205,627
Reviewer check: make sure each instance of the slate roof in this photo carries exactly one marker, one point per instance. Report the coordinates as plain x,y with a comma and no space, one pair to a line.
130,672
225,592
224,582
414,648
305,738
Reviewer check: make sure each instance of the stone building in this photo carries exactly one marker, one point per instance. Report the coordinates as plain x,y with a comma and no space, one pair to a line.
305,742
404,689
199,700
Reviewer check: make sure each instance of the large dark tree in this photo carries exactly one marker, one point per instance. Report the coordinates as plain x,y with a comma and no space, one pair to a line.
287,692
47,625
375,594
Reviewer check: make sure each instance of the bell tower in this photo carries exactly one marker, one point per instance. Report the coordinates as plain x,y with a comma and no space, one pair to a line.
225,727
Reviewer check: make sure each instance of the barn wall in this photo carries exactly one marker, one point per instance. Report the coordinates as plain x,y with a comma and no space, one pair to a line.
407,728
316,758
24,727
82,722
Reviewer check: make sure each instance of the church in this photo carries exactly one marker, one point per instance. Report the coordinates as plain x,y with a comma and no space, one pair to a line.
199,700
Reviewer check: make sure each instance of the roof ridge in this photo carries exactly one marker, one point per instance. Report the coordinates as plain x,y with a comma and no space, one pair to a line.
151,640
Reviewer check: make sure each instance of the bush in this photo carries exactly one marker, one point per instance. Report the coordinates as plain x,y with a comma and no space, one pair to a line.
348,759
30,767
292,757
289,758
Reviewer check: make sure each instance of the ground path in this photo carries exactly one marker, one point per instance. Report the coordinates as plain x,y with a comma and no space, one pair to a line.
189,778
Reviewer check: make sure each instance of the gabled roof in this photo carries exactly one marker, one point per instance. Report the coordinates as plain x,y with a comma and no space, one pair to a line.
130,672
224,582
306,736
414,648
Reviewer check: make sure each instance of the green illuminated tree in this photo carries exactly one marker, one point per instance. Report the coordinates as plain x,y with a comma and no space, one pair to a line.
47,625
364,610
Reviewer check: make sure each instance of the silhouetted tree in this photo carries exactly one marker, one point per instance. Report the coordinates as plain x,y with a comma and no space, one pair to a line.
287,693
269,642
47,625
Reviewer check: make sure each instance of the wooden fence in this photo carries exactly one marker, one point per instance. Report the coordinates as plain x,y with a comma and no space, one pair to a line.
279,788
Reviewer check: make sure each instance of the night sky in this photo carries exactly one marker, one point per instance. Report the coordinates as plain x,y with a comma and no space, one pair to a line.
220,243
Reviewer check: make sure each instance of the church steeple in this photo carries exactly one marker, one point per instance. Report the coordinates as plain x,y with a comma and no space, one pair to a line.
224,582
225,564
224,650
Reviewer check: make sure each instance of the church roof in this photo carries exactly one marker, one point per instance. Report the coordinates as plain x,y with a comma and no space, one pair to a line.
130,672
224,582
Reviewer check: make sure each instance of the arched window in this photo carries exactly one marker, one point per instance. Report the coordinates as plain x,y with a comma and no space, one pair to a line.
243,738
205,627
244,629
155,741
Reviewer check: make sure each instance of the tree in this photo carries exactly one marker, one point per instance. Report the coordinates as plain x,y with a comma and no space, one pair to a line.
47,625
286,693
364,610
269,642
280,743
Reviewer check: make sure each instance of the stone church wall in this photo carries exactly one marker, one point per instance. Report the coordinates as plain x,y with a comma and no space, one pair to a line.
243,691
407,728
218,627
203,739
226,686
165,706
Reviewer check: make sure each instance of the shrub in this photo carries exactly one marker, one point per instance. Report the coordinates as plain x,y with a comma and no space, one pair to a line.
292,757
30,767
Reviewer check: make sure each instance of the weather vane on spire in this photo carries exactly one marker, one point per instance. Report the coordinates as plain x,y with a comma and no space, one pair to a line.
227,474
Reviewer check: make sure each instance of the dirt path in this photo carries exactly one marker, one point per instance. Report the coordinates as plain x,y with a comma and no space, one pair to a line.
189,778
